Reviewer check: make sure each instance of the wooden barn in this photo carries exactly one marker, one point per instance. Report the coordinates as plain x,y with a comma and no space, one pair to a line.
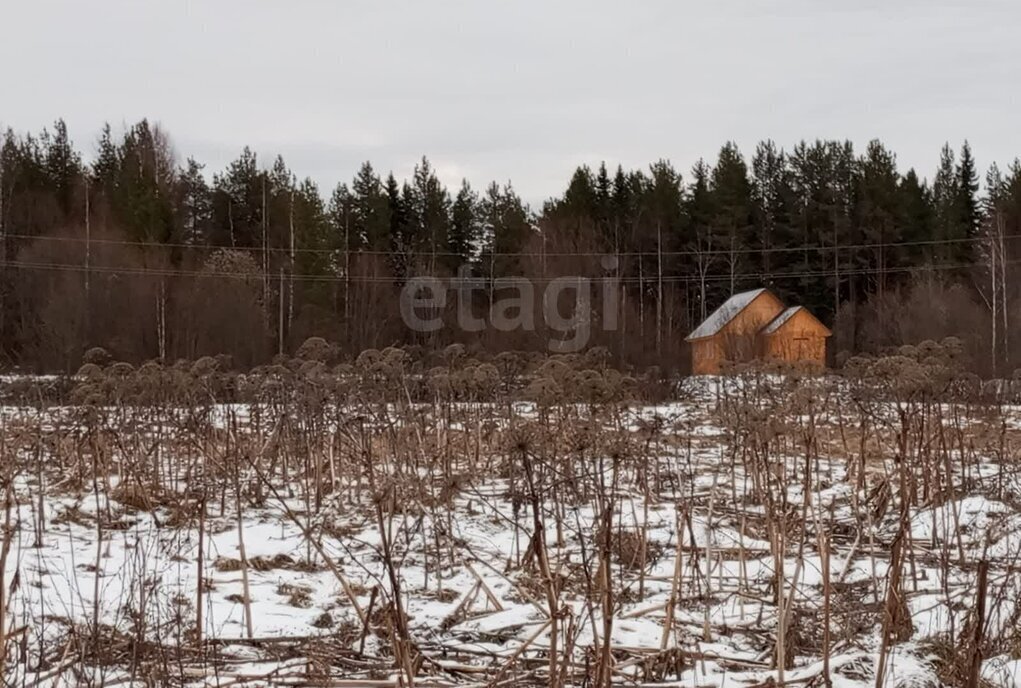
756,325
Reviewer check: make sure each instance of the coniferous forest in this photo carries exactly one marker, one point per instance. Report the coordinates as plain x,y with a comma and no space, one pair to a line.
117,242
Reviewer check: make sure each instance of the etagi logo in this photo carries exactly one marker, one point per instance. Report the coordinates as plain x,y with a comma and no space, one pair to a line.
565,304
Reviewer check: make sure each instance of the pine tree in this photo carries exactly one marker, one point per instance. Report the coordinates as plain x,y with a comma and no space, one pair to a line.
239,203
194,205
142,201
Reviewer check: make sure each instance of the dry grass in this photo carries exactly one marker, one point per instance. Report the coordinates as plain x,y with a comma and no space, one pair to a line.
557,453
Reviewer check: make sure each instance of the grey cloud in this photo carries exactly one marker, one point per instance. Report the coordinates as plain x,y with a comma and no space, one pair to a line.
517,90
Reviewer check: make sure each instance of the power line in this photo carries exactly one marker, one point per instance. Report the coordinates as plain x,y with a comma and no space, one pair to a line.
824,248
370,279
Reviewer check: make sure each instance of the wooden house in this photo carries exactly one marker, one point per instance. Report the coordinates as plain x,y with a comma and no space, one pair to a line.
756,325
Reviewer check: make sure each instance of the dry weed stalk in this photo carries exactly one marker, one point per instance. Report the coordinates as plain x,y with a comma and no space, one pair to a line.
401,446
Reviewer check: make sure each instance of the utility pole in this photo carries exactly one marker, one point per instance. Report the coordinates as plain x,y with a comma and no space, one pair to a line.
290,289
88,266
280,315
994,286
659,286
347,267
264,221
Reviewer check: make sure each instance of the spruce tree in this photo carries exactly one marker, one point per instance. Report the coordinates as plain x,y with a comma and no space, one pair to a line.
312,238
579,205
431,210
916,219
877,214
773,201
506,228
338,213
63,166
397,216
701,243
604,203
823,181
106,166
946,197
622,199
370,210
968,208
463,237
732,220
277,188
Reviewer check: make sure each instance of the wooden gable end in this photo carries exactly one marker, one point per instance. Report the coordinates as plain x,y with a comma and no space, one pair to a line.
754,316
801,324
801,338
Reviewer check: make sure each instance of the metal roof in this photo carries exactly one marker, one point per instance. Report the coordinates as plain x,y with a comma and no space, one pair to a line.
725,313
777,322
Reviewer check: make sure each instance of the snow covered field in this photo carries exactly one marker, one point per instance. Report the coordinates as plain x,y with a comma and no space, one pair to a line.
759,532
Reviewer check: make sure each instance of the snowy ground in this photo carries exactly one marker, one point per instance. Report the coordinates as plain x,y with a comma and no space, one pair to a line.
699,609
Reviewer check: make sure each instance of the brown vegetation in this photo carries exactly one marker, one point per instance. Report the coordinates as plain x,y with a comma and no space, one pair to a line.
404,444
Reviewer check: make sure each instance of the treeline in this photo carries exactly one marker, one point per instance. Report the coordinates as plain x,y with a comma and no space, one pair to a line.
150,257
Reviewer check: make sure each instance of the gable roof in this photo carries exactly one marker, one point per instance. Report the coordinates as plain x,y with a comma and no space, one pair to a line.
779,321
725,313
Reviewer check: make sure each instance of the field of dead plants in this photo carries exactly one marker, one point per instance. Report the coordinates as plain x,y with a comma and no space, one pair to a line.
412,520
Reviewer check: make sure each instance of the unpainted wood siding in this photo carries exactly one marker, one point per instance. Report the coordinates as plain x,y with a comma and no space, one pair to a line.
738,340
705,356
800,339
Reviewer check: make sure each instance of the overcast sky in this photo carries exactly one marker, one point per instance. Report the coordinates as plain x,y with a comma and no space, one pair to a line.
523,90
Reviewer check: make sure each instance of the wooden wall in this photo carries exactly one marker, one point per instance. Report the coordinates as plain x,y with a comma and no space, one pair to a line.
802,338
738,340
